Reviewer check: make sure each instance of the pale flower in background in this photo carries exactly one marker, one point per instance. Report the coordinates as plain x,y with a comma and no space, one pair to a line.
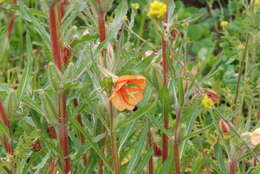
254,136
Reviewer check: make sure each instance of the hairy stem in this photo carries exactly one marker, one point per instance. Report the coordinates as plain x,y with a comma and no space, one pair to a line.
113,141
63,132
101,22
55,42
165,82
62,127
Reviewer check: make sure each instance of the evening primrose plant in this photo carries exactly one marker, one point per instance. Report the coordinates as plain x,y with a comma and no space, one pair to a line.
124,87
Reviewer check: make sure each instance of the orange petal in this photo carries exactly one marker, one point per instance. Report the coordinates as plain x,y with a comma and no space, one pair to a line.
132,95
119,103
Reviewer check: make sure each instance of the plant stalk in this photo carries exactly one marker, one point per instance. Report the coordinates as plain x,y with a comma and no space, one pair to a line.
165,82
82,138
149,144
6,122
233,165
11,23
113,141
241,68
55,42
101,22
63,132
177,142
62,127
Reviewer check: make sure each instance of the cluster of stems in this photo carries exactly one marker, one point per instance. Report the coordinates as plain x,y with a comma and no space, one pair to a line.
112,133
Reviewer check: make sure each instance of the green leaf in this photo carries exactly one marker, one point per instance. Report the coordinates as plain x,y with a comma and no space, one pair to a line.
27,73
93,145
138,114
49,107
140,145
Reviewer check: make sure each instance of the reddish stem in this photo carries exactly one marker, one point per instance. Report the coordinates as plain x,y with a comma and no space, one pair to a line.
101,22
63,132
56,50
6,122
102,38
165,82
233,165
11,23
165,140
53,168
62,129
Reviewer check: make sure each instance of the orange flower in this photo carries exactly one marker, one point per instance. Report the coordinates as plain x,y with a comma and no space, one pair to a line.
128,92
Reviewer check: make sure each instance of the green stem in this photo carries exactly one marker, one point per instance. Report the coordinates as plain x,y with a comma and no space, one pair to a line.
113,141
177,142
241,68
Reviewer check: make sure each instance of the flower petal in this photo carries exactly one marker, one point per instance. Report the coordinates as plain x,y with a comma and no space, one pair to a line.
119,102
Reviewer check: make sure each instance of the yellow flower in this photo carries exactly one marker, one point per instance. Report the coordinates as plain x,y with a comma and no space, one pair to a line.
185,24
135,6
207,102
1,1
157,9
257,2
224,24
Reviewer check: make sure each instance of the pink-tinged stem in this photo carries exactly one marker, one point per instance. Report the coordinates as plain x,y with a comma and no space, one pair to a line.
53,168
233,165
62,129
65,52
6,122
11,23
101,22
63,132
55,42
165,82
102,38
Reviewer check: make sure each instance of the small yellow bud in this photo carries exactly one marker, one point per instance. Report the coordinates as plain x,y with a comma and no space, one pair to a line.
185,24
224,24
135,6
1,1
157,9
207,102
125,18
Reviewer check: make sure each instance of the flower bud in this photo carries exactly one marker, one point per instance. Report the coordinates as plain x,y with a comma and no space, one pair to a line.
174,33
223,126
